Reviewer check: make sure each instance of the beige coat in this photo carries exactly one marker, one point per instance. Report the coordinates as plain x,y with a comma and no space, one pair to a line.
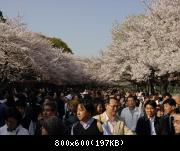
120,127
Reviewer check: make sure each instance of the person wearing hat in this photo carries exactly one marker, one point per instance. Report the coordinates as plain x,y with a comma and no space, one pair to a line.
67,98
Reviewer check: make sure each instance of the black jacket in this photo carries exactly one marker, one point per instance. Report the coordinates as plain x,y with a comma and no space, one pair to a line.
143,126
167,125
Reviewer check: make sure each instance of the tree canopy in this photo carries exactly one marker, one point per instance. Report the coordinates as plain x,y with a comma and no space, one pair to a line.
58,43
143,48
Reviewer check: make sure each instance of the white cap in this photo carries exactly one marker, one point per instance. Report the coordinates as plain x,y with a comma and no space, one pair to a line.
69,96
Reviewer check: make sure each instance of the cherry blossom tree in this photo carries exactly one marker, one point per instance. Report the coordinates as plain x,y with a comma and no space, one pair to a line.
145,47
23,51
164,15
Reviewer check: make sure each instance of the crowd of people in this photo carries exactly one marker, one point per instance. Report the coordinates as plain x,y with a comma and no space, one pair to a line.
88,112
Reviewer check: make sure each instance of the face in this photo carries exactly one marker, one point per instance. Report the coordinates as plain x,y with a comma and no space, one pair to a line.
160,113
168,108
72,108
44,131
82,113
11,123
177,123
111,107
99,108
177,99
150,111
47,111
46,101
76,97
21,109
131,103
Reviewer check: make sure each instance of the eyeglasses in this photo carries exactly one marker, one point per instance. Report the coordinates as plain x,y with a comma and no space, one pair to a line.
176,122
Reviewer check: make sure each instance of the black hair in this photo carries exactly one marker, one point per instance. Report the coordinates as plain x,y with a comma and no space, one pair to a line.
10,100
177,110
88,105
48,97
21,96
131,96
87,97
170,101
151,103
52,105
54,126
167,94
20,103
98,93
112,97
96,103
13,113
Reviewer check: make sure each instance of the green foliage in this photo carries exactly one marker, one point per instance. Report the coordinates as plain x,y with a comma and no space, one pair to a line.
2,19
58,43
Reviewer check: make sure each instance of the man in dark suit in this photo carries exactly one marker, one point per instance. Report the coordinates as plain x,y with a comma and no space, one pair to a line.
166,121
149,123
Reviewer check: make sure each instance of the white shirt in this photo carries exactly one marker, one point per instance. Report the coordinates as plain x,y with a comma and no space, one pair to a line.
18,131
108,126
131,119
87,124
153,132
3,101
32,128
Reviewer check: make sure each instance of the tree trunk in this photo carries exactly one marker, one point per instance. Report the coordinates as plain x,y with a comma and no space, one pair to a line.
165,83
151,87
147,87
165,86
160,88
